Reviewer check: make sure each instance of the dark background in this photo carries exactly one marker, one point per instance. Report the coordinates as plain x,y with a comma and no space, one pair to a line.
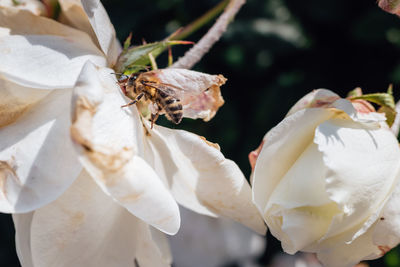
273,53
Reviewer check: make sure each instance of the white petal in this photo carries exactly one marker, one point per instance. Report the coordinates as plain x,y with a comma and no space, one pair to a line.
153,248
301,228
200,177
84,227
16,20
349,109
46,62
362,167
387,229
283,145
307,172
292,205
107,139
91,17
34,6
336,253
316,98
37,160
15,100
22,224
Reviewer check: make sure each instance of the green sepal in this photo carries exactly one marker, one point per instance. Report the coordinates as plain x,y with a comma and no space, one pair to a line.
127,42
385,100
382,99
390,114
355,92
138,55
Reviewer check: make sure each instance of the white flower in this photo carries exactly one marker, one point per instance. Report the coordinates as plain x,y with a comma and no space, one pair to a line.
327,180
66,215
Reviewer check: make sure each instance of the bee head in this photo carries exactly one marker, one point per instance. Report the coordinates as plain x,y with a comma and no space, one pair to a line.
132,79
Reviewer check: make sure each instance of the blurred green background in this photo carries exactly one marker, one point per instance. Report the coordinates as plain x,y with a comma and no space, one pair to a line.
273,53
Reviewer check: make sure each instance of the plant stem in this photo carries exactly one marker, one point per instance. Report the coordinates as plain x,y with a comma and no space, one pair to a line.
194,55
201,21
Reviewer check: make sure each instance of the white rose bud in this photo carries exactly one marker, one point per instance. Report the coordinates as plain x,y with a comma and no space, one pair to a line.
326,181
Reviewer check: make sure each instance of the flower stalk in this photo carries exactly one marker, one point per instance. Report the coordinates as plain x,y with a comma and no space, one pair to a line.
194,55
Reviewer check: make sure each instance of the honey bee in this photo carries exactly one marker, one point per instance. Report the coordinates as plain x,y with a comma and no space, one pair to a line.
166,97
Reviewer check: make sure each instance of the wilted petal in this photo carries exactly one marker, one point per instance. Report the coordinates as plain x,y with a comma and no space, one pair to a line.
47,62
199,93
32,172
355,180
200,177
282,147
391,6
85,227
34,6
91,17
107,140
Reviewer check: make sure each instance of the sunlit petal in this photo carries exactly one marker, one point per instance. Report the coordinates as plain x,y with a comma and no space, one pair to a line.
47,62
32,172
282,146
91,17
356,180
108,148
85,227
200,177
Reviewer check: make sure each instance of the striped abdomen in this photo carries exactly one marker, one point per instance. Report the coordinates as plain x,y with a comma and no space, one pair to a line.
171,105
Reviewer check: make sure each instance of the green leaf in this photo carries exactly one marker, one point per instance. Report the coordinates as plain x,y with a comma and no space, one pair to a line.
382,99
138,55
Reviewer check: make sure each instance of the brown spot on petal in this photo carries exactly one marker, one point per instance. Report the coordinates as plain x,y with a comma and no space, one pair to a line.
9,114
103,157
214,145
384,249
6,171
131,198
82,123
77,220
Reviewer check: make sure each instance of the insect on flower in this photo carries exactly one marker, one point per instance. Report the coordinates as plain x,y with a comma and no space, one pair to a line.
170,90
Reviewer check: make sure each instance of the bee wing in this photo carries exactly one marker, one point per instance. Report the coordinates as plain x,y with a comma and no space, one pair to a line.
168,89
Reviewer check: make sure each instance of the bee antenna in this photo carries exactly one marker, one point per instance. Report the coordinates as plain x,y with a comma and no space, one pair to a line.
118,73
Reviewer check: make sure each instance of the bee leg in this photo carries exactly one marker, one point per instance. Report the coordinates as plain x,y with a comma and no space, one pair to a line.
134,101
154,118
